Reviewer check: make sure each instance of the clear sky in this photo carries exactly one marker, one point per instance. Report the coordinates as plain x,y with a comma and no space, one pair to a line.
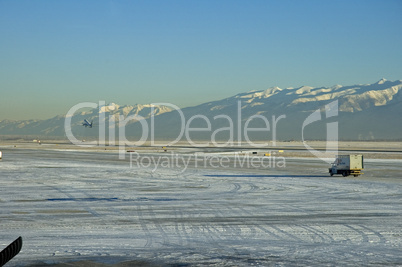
55,54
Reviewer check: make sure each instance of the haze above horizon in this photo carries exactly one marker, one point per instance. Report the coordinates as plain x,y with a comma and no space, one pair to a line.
55,54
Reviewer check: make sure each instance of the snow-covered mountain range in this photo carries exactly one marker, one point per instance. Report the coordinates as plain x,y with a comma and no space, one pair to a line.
305,98
365,112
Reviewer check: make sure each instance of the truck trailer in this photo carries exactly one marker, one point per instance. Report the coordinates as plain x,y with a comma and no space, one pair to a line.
347,165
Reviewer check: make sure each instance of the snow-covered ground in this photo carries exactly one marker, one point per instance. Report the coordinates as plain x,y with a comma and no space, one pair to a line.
75,206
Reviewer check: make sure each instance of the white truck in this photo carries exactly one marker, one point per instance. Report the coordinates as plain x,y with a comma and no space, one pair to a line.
347,165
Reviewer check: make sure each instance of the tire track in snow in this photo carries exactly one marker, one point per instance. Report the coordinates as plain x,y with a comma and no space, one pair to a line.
144,226
70,194
233,228
156,222
363,235
277,229
378,234
236,188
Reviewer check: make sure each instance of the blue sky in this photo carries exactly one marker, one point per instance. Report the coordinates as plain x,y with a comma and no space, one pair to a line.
55,54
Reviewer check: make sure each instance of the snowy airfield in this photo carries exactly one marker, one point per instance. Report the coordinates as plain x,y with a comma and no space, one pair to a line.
88,208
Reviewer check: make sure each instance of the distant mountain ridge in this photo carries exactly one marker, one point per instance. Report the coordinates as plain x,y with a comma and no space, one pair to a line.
352,98
54,127
366,112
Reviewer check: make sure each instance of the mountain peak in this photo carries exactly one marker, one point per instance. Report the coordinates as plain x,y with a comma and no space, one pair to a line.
383,80
270,91
109,107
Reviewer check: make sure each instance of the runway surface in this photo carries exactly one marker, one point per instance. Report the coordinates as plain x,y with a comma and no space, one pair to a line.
76,207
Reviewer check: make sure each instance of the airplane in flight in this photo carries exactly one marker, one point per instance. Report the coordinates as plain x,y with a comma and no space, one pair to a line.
86,123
